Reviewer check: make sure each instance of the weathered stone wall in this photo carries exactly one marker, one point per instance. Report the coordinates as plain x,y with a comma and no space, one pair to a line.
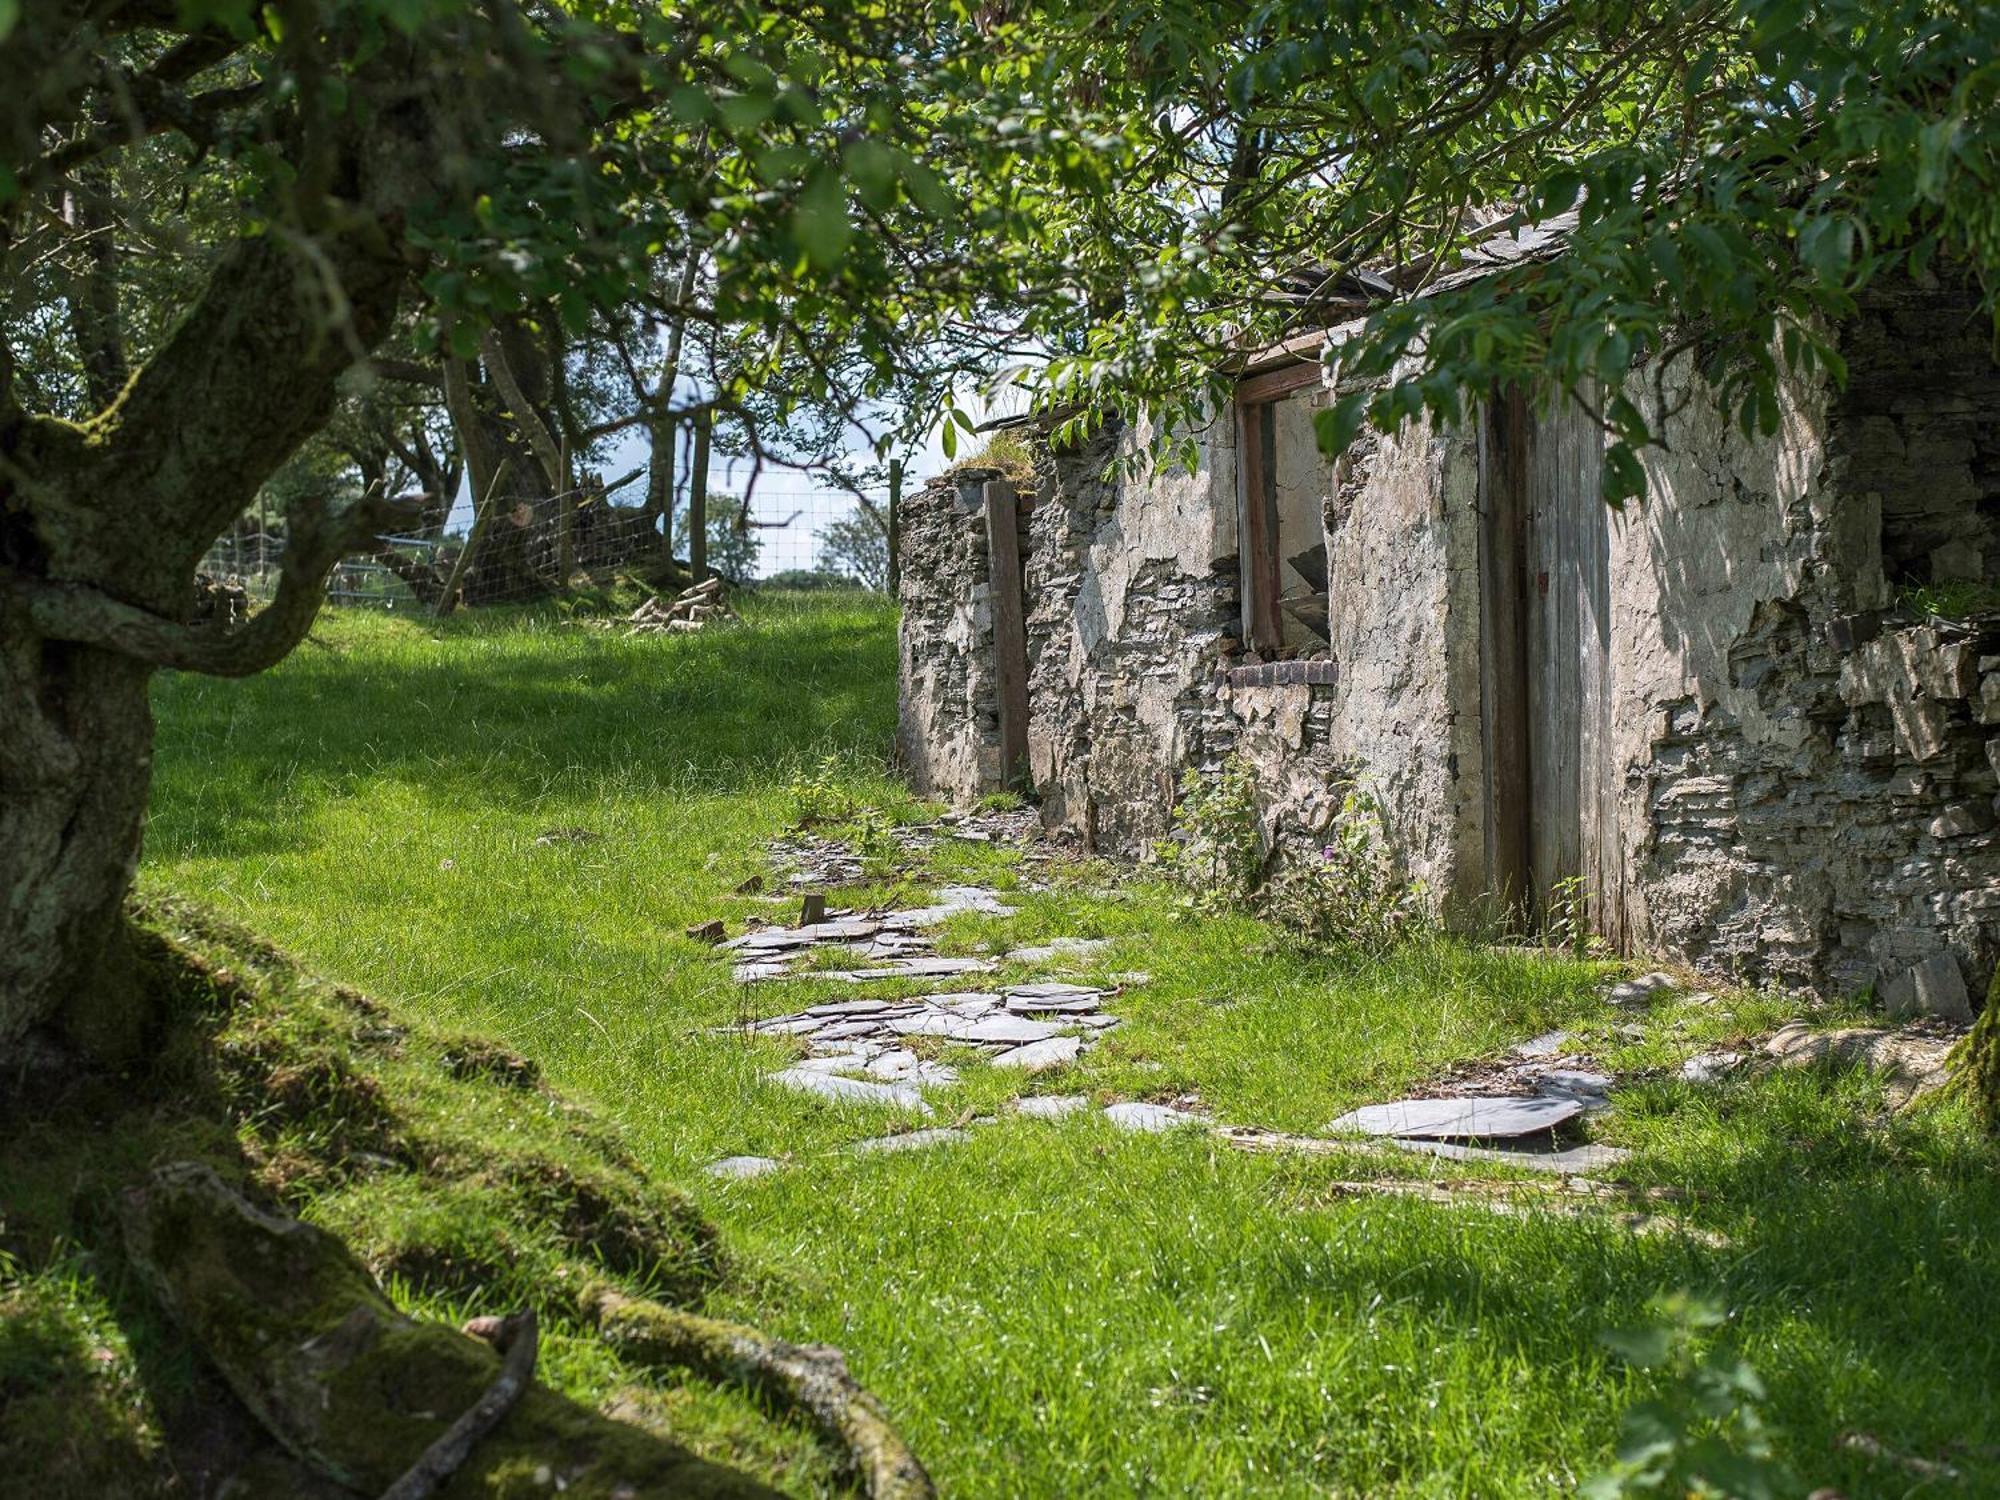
948,729
1801,777
1808,786
1132,593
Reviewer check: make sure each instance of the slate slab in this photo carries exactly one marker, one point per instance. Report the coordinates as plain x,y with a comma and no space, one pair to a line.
1050,1106
853,1090
1571,1161
1459,1119
1707,1067
742,1166
849,1008
915,1140
1039,1057
1013,1030
1548,1044
1573,1083
933,1023
1150,1118
1632,991
1062,947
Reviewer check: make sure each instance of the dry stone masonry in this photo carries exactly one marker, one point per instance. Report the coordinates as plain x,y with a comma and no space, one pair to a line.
1728,715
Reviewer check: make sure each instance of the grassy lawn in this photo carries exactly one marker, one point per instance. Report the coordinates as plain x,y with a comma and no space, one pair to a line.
505,826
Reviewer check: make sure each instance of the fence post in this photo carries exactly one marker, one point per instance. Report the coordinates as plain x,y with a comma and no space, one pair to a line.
895,527
698,498
565,521
1010,631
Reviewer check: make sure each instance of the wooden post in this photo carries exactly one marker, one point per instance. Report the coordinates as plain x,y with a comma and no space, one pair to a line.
1010,631
1503,634
660,485
895,528
698,497
1257,528
565,520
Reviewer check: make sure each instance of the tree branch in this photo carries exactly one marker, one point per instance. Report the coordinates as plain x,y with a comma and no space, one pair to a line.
318,540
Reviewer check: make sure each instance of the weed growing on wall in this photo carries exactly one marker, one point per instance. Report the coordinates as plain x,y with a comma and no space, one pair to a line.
1347,895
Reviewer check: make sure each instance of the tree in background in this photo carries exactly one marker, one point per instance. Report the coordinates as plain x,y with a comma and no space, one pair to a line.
857,546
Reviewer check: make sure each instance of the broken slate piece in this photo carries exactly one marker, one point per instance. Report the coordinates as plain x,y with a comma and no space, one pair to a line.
1572,1161
1548,1044
757,973
742,1166
1039,1057
911,968
853,1090
933,1023
1710,1066
1062,947
849,1008
1014,1030
1632,991
1050,1106
915,1140
1149,1118
1471,1119
1034,999
1573,1083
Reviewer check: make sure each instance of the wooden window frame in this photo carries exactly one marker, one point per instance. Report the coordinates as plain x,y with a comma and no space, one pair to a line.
1257,500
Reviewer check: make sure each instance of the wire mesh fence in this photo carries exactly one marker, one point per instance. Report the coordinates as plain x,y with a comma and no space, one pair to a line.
530,547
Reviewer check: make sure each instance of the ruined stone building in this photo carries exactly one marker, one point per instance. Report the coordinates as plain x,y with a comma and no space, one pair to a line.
1720,710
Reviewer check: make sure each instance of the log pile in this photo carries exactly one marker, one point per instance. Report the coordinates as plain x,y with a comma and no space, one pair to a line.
689,610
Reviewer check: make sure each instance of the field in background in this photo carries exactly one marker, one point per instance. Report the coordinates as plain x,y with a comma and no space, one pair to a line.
506,824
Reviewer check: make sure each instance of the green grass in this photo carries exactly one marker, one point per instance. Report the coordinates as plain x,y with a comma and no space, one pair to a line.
1054,1309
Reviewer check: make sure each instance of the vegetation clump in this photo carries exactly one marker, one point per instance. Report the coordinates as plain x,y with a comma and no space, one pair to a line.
1348,895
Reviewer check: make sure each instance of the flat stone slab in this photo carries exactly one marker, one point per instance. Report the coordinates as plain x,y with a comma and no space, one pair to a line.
904,1066
849,1008
1548,1044
1039,1057
951,900
853,1090
1707,1067
934,1023
916,1140
1150,1119
1573,1083
1632,991
1459,1119
909,968
1573,1161
1062,947
1050,1106
1013,1030
742,1166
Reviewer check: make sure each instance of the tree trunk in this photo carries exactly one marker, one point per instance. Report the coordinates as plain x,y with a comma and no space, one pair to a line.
76,749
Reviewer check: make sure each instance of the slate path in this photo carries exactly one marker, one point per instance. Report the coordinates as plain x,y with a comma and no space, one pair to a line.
859,1053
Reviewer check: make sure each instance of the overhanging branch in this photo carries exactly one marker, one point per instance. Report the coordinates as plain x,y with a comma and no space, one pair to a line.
319,539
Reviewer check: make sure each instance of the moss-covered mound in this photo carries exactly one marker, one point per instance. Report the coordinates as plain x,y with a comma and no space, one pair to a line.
443,1163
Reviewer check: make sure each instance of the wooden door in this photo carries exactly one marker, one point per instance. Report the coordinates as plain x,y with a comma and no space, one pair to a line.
1545,573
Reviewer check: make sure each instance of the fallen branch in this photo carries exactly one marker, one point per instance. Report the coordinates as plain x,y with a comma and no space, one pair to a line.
520,1339
812,1379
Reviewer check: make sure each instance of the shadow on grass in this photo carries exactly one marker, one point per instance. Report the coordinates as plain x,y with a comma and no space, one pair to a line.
518,714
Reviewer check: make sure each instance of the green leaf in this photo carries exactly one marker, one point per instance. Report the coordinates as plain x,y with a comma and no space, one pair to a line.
10,16
820,221
1334,427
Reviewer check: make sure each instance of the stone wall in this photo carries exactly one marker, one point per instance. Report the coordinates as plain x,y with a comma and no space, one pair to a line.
948,729
1808,785
1799,774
